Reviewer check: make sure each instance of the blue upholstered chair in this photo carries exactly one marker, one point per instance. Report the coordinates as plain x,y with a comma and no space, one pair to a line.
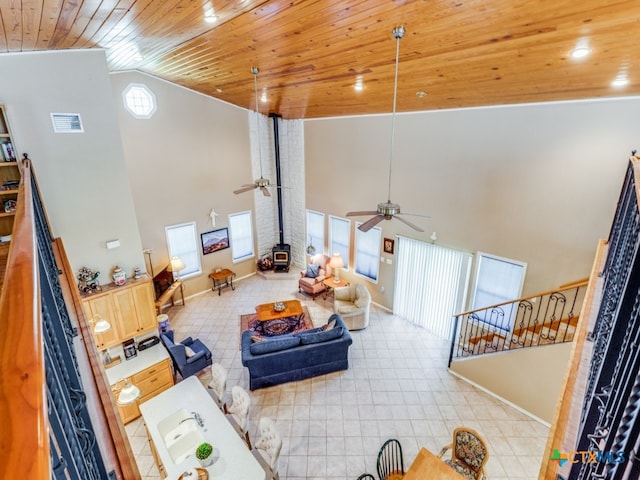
189,356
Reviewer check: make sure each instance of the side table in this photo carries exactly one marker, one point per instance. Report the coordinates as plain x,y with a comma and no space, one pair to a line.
223,278
330,284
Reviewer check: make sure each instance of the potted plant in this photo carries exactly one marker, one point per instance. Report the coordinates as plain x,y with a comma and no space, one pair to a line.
203,454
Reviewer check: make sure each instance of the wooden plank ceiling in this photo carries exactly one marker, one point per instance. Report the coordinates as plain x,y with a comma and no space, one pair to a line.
311,53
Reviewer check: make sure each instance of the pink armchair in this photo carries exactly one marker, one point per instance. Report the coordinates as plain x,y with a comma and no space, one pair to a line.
313,284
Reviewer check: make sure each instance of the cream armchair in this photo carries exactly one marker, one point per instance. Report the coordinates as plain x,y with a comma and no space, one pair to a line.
353,303
313,284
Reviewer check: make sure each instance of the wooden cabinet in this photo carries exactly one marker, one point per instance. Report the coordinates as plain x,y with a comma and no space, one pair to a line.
151,381
102,305
9,178
129,308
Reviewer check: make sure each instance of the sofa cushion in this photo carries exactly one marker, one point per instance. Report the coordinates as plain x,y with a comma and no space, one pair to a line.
312,271
318,337
345,307
283,342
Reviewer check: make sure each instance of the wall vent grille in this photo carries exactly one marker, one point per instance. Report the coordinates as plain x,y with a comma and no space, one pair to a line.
67,123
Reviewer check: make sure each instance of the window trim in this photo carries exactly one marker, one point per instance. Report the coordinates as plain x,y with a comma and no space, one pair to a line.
331,251
319,248
196,248
232,240
131,109
359,235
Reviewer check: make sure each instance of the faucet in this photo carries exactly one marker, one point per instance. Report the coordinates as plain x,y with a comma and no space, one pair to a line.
196,417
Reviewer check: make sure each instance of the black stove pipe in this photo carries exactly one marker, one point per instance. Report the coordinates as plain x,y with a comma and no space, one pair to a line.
276,143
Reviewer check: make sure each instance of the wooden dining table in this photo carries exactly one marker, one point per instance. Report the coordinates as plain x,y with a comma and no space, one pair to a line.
428,465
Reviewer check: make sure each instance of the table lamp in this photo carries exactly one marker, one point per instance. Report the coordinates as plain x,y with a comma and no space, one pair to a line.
336,263
176,265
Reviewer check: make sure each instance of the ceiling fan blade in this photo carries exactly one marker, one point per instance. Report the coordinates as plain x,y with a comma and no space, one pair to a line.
245,188
416,215
369,224
265,191
360,214
406,222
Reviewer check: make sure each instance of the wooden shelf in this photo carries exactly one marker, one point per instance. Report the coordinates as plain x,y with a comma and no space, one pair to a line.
8,164
7,214
8,192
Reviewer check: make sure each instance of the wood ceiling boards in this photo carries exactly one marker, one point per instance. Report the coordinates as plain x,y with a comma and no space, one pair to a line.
310,53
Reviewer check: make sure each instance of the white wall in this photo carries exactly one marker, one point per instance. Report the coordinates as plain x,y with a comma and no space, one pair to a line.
82,176
536,183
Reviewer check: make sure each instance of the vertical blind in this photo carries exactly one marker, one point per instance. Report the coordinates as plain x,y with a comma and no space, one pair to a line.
431,284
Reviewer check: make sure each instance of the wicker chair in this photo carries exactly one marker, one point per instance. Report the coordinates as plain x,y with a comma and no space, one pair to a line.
469,453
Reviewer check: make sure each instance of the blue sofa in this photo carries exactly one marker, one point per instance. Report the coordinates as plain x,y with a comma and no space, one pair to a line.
184,365
301,355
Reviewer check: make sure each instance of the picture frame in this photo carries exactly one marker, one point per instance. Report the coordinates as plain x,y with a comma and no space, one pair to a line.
8,152
215,240
388,245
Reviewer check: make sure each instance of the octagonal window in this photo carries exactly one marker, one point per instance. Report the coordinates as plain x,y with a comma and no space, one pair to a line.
139,100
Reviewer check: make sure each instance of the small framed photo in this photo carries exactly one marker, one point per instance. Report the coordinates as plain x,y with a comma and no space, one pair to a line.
214,240
8,152
10,206
388,245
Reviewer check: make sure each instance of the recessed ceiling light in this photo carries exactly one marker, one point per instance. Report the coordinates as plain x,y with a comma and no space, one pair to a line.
580,52
219,90
620,81
421,94
358,86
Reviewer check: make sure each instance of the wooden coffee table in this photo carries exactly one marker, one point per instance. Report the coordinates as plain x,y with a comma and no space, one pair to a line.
266,311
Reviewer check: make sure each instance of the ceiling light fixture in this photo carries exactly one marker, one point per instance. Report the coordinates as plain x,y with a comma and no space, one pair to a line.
359,86
388,210
580,52
620,81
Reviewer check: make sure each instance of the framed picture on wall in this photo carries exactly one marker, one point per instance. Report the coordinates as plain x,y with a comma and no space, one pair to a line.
388,245
214,240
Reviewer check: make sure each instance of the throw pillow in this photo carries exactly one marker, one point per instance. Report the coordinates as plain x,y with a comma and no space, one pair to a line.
312,271
329,325
189,351
320,337
256,338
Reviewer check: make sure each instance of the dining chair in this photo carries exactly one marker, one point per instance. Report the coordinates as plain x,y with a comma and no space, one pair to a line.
268,447
239,411
366,476
390,461
469,453
218,383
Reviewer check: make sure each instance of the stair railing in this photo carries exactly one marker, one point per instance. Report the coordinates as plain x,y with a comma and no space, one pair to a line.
542,319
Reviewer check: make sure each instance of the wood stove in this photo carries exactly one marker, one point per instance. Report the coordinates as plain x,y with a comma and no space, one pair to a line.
281,252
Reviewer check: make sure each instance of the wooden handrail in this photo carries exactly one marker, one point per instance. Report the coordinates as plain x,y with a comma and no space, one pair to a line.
558,429
24,439
580,283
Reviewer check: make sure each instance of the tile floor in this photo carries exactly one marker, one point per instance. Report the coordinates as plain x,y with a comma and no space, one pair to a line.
397,385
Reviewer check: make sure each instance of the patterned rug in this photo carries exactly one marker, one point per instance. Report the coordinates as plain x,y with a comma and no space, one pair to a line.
279,326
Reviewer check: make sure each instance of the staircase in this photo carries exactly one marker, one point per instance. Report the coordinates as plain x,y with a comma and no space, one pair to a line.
543,319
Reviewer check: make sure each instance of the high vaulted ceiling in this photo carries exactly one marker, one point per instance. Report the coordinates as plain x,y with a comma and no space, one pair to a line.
311,53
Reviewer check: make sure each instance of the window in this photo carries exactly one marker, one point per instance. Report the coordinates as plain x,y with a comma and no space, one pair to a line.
139,100
430,284
315,232
182,243
367,261
241,236
339,238
497,280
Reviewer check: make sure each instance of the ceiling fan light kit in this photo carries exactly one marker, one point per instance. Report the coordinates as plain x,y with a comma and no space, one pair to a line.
261,183
388,210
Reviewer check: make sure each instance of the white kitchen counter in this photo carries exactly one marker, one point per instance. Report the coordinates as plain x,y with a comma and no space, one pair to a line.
142,360
236,462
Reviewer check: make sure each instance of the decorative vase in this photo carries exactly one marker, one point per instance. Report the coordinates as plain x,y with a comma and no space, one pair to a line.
119,276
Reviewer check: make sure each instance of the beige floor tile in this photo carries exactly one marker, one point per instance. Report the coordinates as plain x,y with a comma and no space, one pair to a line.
332,426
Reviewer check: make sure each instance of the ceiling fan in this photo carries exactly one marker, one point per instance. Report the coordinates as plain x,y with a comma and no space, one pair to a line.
388,210
261,183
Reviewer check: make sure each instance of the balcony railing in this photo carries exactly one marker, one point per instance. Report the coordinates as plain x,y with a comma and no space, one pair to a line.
543,319
58,418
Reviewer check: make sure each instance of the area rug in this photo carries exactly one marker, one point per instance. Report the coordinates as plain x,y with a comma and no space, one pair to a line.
279,326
